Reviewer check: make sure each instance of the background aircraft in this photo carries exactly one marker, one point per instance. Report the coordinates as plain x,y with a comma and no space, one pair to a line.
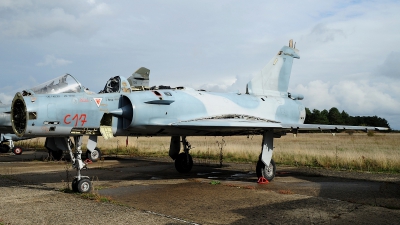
55,151
5,132
126,107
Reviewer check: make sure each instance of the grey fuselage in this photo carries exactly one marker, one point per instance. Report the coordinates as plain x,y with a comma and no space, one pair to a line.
150,113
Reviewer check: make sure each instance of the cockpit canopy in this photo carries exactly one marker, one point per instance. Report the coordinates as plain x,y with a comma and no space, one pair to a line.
63,84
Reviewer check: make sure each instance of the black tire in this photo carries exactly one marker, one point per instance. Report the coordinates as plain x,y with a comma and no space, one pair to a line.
183,163
17,150
94,156
266,172
57,155
4,148
84,185
75,185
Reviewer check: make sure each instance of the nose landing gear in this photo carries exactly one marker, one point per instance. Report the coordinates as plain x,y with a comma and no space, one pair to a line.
80,183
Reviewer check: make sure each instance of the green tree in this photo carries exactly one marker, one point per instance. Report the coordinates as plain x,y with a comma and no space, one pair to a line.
334,116
308,116
346,118
320,117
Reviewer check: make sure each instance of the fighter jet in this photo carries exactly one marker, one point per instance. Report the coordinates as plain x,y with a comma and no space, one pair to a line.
128,107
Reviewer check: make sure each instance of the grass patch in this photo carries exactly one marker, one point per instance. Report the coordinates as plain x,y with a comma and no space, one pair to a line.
96,197
215,182
379,152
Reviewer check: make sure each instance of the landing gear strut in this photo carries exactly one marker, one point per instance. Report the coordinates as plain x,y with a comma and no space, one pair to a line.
184,161
266,167
80,183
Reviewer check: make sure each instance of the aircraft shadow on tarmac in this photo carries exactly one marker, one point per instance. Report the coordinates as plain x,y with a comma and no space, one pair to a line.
290,181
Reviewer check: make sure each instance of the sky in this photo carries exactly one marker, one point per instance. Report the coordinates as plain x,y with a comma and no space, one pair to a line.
349,50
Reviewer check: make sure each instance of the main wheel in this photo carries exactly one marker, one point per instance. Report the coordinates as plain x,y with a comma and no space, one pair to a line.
84,185
17,150
183,163
75,185
57,155
268,172
93,155
4,148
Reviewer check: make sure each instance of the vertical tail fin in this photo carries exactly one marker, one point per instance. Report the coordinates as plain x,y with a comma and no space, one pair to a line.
275,76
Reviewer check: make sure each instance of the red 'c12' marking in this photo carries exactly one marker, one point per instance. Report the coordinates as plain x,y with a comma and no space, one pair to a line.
77,118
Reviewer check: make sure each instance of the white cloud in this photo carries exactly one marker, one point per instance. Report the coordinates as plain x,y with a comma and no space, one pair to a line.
27,19
364,98
13,4
317,95
237,85
390,67
358,98
323,33
101,9
6,98
51,60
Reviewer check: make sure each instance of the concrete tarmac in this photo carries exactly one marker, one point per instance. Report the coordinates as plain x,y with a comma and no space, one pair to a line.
150,191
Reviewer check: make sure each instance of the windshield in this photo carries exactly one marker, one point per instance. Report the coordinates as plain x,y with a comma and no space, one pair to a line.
63,84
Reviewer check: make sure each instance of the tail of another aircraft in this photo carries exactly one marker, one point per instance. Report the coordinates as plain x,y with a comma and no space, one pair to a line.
275,76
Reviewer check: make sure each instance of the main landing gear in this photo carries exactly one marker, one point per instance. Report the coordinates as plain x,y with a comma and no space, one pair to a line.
183,161
265,168
266,173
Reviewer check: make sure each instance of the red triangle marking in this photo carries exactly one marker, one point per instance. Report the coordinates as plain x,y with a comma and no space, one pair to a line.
98,101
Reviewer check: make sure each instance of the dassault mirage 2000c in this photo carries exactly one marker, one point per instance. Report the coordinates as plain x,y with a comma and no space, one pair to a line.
63,107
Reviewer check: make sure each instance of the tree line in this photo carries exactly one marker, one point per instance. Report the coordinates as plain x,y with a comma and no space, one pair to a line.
335,117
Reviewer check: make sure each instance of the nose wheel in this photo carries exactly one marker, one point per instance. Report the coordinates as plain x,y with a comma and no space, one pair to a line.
80,183
84,185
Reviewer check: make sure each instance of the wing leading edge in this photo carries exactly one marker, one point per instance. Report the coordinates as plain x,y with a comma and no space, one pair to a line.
330,127
247,124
